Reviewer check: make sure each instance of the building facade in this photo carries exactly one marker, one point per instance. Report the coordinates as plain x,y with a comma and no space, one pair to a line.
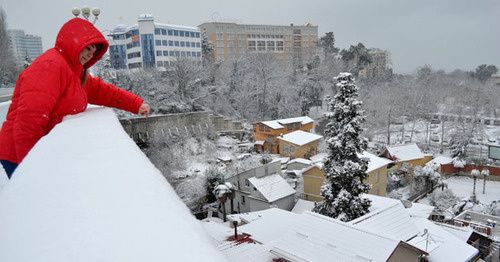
24,47
293,44
265,133
152,45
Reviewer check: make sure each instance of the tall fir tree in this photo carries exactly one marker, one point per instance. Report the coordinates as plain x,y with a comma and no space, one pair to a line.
344,170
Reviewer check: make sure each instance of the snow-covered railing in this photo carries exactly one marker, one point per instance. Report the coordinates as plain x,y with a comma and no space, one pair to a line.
86,192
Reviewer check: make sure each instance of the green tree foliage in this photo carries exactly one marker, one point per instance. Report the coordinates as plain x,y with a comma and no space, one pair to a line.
344,170
484,72
327,43
356,58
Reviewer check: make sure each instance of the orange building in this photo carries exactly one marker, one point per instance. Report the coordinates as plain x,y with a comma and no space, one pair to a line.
298,144
265,133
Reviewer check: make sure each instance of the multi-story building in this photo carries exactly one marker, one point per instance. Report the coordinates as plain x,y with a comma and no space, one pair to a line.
148,44
24,46
266,133
293,44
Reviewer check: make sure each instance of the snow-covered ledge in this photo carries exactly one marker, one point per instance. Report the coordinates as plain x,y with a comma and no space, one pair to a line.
86,192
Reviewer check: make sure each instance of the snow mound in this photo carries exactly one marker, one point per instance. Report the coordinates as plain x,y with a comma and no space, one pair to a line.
86,192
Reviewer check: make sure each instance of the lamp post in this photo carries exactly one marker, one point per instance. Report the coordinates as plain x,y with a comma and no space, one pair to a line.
85,11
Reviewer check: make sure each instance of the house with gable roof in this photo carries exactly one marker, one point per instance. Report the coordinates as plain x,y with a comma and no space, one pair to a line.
266,132
299,144
261,188
408,153
315,237
313,177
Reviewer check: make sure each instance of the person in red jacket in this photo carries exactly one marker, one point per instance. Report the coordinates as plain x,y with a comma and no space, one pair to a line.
55,85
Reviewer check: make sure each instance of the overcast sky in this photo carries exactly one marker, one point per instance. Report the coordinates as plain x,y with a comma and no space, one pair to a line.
446,34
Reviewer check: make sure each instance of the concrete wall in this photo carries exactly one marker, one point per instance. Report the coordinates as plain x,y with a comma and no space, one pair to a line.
141,129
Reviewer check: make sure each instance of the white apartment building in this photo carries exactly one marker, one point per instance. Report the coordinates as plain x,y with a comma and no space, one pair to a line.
24,46
152,45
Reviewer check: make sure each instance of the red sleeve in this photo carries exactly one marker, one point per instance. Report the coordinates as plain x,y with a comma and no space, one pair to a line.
40,88
103,94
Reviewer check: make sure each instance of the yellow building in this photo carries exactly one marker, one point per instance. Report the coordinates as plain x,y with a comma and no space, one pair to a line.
298,144
409,154
294,44
265,133
314,177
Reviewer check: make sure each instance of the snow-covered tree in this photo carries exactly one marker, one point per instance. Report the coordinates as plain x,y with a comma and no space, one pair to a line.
344,170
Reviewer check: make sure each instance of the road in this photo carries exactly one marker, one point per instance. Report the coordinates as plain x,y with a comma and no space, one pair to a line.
6,94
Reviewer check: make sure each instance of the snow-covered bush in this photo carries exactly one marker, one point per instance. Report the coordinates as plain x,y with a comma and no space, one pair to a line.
443,199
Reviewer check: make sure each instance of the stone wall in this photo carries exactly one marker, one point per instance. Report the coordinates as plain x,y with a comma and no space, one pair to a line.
141,129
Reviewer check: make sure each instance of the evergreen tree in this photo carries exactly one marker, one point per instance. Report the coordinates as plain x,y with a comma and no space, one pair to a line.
327,43
344,169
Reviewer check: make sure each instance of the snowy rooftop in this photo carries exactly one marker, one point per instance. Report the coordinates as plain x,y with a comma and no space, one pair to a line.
300,137
265,226
319,238
86,192
278,124
244,251
302,205
440,244
272,187
439,160
374,162
393,222
405,152
301,160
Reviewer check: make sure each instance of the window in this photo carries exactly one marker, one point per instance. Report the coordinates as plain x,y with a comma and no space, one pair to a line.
198,45
271,148
255,128
192,34
176,43
188,44
165,53
157,31
261,127
160,63
157,42
296,125
169,32
197,35
164,42
243,200
285,148
289,127
247,183
182,43
198,54
170,43
376,177
177,53
183,53
292,150
181,33
268,129
158,53
171,53
193,53
164,32
176,33
271,138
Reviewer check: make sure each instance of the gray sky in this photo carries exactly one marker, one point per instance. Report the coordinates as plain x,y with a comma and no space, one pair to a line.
446,34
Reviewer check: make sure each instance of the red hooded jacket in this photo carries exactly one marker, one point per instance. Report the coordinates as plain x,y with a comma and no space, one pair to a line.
50,88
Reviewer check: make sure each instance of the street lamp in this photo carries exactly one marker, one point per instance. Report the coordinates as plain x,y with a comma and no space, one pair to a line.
85,10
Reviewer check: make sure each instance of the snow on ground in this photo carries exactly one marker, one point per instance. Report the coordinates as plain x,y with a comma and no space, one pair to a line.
462,188
86,192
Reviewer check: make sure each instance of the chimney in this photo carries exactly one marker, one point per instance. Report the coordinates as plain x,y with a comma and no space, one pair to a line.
235,224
